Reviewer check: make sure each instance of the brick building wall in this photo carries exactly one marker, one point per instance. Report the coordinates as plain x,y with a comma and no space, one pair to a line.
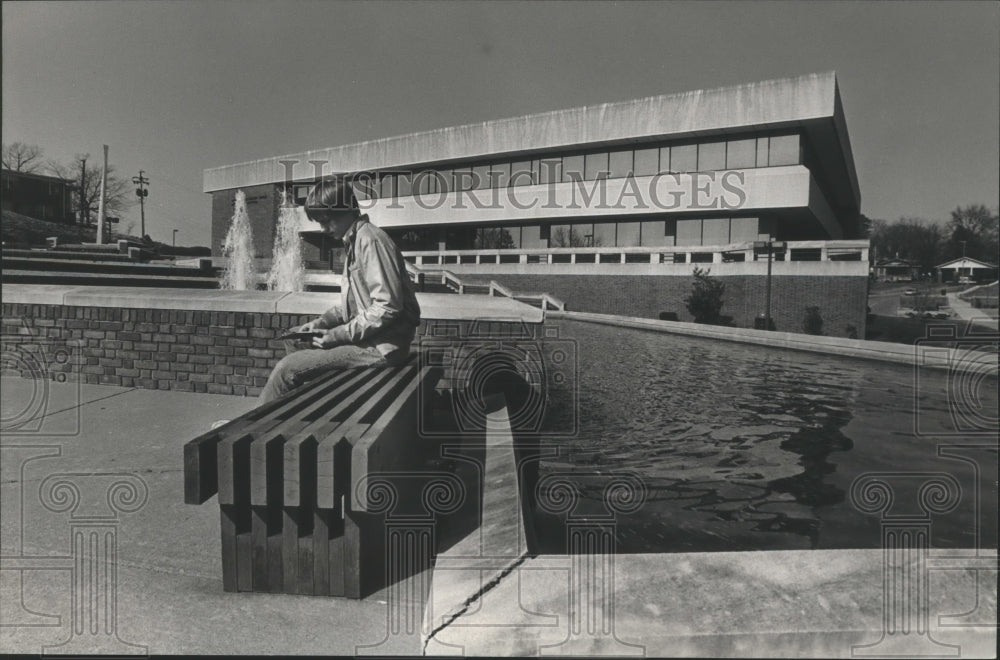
842,301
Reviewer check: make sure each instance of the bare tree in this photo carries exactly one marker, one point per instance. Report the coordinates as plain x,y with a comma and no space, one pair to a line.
22,157
117,198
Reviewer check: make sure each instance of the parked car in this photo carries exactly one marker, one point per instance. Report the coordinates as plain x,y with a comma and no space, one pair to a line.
910,292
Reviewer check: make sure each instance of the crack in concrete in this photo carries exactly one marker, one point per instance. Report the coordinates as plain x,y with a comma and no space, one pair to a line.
473,598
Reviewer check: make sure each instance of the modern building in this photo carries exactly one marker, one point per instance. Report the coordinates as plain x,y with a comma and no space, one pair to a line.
38,196
573,201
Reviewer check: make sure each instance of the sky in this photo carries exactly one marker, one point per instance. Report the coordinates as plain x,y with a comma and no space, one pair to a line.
176,87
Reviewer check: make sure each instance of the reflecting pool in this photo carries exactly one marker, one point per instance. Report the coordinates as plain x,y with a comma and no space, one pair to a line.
742,447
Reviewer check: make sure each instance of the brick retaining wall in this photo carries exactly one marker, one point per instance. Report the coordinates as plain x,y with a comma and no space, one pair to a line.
842,301
185,350
218,352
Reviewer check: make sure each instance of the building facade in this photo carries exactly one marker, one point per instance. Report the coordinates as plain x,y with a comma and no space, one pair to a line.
38,196
634,189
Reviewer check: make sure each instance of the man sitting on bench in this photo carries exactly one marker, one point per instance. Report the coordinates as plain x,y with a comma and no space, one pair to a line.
378,315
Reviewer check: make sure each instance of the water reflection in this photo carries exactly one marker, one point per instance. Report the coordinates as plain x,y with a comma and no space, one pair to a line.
739,447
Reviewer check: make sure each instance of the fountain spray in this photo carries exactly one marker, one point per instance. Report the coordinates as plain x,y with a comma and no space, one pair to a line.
239,273
287,269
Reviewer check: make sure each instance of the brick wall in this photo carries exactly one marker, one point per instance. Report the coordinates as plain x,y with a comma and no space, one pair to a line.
842,301
186,350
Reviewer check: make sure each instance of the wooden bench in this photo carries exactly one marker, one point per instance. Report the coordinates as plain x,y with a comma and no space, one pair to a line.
286,474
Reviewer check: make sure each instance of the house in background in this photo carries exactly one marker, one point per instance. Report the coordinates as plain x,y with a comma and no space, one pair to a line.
896,270
38,196
966,269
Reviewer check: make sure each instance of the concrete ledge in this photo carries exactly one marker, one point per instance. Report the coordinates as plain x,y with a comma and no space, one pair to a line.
855,348
811,603
438,306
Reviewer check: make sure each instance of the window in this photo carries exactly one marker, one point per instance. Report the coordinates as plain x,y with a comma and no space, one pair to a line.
628,234
583,235
741,154
500,175
520,173
742,229
647,161
422,182
604,234
404,184
620,163
299,193
715,231
480,177
654,234
711,156
682,159
762,152
689,232
572,166
560,236
444,181
549,170
462,178
784,150
531,238
596,166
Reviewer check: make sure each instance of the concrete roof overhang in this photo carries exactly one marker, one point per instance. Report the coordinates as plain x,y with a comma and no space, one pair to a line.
810,103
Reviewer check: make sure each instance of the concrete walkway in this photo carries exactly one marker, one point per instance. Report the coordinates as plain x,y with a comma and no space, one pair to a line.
87,458
967,312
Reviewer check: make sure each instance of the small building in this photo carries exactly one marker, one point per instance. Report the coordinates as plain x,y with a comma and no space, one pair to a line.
966,269
896,270
38,196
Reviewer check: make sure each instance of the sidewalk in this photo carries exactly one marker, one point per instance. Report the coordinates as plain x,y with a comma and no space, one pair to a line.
967,312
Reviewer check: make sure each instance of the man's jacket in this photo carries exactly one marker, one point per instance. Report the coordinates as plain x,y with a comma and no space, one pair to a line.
378,304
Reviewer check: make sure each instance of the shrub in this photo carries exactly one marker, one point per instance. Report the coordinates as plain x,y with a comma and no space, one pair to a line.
705,301
852,331
813,324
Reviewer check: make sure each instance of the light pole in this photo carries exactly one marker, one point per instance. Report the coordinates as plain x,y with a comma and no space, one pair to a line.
174,239
771,245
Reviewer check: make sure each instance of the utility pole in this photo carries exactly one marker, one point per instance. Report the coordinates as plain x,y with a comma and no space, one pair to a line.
142,194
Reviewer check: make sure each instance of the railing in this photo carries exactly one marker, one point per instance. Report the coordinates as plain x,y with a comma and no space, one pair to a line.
494,288
843,250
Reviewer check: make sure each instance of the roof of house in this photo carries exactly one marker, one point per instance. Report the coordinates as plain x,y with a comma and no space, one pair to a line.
966,262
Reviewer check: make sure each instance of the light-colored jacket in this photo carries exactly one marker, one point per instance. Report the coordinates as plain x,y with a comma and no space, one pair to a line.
378,303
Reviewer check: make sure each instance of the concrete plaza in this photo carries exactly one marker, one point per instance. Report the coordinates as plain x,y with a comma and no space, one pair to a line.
112,456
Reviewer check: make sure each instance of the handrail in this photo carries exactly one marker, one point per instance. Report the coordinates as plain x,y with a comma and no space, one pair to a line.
495,288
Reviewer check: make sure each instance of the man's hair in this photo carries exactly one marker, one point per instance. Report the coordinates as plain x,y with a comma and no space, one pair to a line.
332,193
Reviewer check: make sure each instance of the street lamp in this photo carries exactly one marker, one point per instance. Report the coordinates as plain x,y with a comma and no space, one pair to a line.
174,239
770,245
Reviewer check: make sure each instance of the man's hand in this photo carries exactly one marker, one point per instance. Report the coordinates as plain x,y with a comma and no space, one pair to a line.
326,340
315,324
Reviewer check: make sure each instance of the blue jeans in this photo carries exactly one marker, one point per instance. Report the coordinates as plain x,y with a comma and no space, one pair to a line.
303,363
